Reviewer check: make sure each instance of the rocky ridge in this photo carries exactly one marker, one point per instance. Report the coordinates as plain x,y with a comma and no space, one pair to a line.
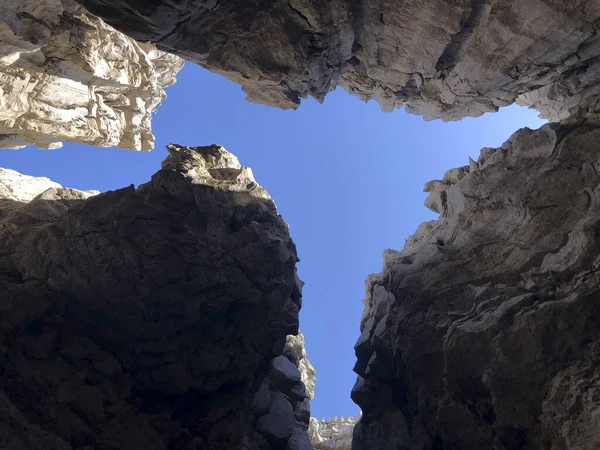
65,75
483,332
441,58
125,314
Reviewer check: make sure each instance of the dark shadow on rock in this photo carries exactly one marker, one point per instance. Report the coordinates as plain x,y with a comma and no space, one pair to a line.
143,318
492,340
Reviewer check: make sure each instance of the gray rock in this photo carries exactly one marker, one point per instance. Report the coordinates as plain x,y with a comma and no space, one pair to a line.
302,413
492,323
261,400
278,424
441,58
283,374
298,392
142,318
299,440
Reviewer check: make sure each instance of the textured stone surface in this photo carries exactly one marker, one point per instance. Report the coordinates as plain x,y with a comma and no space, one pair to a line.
335,433
66,75
281,406
295,352
483,332
442,58
143,318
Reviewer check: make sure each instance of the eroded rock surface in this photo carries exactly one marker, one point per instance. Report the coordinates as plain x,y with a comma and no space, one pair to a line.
335,433
148,318
484,331
281,407
442,58
66,75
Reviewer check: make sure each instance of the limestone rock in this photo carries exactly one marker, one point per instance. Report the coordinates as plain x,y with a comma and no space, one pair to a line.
282,404
335,433
66,75
441,58
294,350
15,187
483,331
143,318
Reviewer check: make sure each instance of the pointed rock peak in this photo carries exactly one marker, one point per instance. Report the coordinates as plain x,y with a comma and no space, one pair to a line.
214,166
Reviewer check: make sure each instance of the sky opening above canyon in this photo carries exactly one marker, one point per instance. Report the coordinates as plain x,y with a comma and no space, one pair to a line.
347,177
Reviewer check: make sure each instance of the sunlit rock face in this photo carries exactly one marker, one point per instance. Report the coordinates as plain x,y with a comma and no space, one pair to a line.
65,75
484,331
332,434
442,58
149,318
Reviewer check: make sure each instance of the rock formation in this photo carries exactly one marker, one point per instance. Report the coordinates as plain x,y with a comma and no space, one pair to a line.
335,433
441,58
281,406
66,75
152,317
166,308
484,331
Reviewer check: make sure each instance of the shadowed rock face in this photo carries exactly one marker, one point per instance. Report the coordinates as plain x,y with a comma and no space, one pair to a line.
483,332
145,318
155,318
442,58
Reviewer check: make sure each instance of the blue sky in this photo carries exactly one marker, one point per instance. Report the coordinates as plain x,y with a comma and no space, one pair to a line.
347,177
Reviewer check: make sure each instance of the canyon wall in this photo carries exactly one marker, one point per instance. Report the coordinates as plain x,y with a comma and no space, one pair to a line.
441,58
167,307
152,317
484,331
65,75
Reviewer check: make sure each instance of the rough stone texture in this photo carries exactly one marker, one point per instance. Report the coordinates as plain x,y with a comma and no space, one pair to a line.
294,350
335,433
483,332
281,407
442,58
66,75
143,318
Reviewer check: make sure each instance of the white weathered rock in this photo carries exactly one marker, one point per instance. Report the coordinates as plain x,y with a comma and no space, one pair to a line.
335,433
22,188
18,190
295,348
67,75
139,282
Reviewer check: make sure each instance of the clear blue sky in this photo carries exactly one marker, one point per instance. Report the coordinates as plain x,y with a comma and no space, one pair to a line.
347,177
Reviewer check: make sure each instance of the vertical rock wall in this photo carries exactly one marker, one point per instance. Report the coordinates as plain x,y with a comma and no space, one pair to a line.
281,406
483,332
65,75
151,317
